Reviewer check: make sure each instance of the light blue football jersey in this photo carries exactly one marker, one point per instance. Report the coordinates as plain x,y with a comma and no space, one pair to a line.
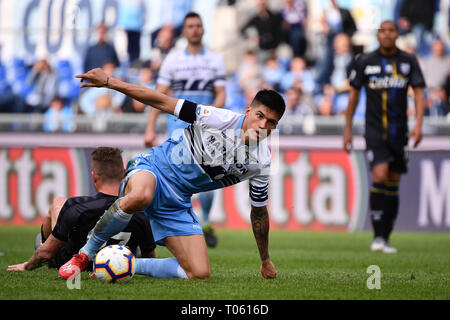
209,154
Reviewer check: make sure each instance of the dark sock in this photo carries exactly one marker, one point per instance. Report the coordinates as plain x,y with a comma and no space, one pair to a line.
376,206
391,208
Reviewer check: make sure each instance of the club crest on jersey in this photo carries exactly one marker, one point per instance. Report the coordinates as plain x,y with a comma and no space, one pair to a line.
203,111
388,68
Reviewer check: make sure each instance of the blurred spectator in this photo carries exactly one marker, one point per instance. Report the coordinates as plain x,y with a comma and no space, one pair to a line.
342,59
58,117
325,101
146,79
334,20
446,92
297,103
417,16
43,81
131,17
164,41
436,68
294,14
273,73
268,26
298,106
101,52
436,103
172,16
443,17
249,74
298,73
96,101
347,21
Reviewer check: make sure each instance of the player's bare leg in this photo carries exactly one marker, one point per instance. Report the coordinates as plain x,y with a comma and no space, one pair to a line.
50,220
192,254
138,192
380,173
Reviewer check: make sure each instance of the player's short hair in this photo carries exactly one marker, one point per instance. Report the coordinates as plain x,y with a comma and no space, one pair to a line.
191,14
270,99
107,163
388,21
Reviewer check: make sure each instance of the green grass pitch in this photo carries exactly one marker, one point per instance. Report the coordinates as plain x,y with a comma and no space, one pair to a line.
328,265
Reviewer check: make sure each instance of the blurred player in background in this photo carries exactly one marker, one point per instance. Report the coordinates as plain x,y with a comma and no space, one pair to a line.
386,74
220,148
66,227
196,74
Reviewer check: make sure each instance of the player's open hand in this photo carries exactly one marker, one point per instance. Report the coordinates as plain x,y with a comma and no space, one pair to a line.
268,270
97,78
17,267
416,132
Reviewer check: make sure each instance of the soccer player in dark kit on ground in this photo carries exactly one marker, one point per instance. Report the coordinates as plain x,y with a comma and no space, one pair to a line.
69,221
386,74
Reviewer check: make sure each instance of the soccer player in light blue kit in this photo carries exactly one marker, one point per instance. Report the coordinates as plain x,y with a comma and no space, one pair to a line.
220,148
196,74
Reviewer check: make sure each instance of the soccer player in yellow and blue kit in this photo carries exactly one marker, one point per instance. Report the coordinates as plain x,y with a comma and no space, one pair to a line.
386,74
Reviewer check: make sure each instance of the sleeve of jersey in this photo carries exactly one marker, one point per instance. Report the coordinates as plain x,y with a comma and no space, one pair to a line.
357,73
416,79
259,191
66,220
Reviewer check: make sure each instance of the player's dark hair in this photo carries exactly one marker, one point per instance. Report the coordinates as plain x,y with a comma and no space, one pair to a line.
389,21
270,99
191,14
107,163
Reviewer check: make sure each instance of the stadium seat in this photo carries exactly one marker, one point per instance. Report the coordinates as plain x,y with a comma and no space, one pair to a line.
16,75
68,88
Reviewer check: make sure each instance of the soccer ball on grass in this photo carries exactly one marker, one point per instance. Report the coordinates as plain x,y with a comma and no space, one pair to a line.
114,263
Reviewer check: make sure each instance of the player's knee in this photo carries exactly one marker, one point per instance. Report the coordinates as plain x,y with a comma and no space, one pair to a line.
379,177
140,198
56,206
47,219
199,273
58,202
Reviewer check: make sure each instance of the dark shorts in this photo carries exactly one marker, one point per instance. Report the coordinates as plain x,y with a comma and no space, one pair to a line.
395,154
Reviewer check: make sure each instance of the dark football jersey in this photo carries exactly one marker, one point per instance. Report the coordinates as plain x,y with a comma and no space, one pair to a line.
78,217
386,80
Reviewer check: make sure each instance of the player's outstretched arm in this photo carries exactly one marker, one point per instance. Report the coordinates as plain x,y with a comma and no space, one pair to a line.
260,225
351,107
98,78
44,253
